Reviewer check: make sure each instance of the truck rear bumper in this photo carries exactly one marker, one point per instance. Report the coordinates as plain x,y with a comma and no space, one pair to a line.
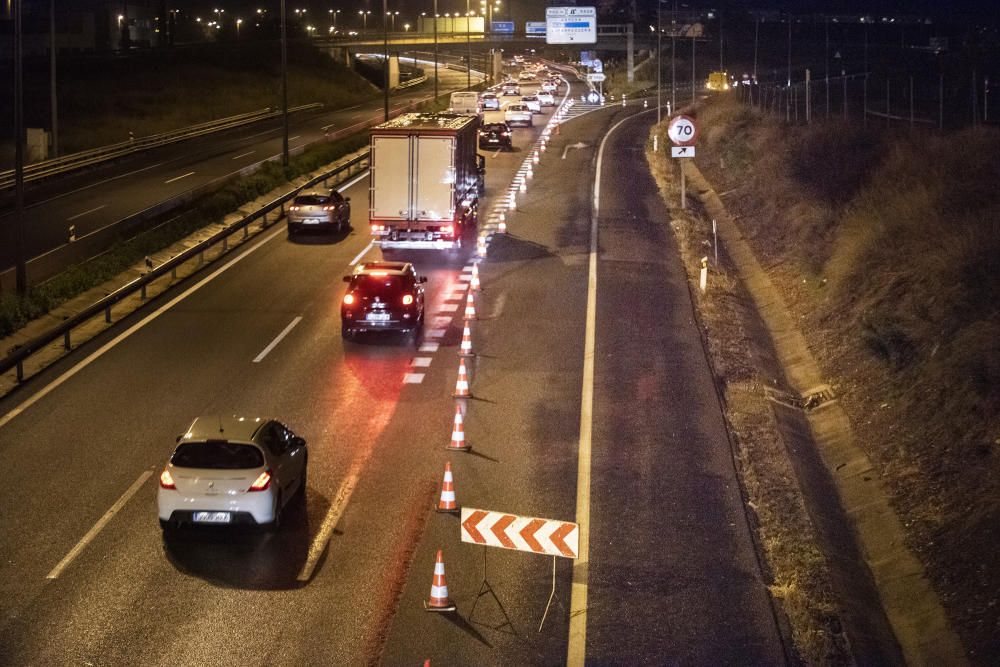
414,243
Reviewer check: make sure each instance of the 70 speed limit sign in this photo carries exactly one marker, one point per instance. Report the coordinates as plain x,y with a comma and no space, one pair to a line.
682,130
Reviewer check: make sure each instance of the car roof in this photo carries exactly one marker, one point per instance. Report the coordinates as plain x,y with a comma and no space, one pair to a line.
224,427
391,268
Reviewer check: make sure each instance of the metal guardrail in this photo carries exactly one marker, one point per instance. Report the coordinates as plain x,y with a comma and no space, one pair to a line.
60,165
17,357
412,82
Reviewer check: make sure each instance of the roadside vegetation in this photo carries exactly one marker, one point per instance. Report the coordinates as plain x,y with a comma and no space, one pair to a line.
104,97
886,247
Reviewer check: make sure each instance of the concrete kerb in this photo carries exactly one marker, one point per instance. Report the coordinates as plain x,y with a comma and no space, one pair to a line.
910,603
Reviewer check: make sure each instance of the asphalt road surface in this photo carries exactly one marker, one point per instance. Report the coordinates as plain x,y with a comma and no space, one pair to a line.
92,199
87,577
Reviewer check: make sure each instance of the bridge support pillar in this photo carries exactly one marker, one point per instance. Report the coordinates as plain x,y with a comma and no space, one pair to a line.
630,54
495,69
393,71
341,55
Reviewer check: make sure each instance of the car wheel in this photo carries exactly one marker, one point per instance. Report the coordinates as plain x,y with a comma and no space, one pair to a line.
275,525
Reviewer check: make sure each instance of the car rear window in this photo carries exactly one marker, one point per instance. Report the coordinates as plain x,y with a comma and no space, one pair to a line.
380,286
311,200
217,454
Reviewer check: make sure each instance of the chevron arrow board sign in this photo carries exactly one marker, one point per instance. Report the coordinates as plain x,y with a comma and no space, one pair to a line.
521,533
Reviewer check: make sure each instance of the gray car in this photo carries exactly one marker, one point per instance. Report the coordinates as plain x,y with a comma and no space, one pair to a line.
315,211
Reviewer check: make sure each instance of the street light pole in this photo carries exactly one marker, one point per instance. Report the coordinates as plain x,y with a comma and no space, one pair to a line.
435,50
21,270
468,41
659,57
52,77
284,88
385,61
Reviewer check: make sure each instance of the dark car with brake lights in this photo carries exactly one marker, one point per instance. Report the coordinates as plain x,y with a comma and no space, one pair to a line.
495,135
382,296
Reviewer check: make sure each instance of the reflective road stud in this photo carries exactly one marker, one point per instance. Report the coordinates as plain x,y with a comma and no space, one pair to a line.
438,600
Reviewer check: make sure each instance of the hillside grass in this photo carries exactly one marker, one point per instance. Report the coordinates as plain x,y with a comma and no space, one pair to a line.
887,246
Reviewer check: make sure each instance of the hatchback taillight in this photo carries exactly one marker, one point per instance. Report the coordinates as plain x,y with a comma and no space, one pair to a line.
262,482
407,299
348,299
294,208
166,480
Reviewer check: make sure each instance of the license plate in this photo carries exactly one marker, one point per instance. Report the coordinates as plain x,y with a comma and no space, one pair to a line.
212,517
312,221
377,317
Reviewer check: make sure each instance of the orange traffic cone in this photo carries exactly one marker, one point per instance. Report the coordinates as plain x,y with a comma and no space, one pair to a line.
462,383
438,600
465,349
447,502
557,127
458,434
474,283
502,227
470,307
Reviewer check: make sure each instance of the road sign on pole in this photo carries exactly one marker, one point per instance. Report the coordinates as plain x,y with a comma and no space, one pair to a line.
521,533
682,130
596,77
682,151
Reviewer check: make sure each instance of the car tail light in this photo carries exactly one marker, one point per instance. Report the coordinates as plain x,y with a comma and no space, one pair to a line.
166,481
377,228
506,134
262,482
447,229
294,208
328,208
407,299
348,299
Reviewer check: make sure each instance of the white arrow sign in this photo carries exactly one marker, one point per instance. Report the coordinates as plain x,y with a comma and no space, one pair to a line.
578,144
682,151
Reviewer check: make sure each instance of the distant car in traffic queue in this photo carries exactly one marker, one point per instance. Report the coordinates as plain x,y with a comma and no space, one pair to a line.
532,102
546,99
518,114
510,88
232,471
315,211
382,296
489,101
495,136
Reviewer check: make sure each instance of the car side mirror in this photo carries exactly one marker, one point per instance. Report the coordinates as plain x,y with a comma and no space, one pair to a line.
347,279
179,438
347,199
422,279
298,442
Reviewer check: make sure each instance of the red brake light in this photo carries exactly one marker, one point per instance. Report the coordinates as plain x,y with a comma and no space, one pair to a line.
262,482
447,229
407,299
348,299
166,481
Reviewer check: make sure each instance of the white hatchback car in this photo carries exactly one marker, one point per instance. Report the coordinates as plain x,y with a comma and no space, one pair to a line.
232,471
518,114
546,99
532,102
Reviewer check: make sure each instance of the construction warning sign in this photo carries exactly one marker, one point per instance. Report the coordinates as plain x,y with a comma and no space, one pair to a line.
521,533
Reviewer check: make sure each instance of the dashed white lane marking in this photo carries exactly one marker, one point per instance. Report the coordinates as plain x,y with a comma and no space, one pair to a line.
421,362
361,254
295,137
448,307
435,333
80,215
429,347
441,321
103,521
413,378
190,173
274,343
465,277
237,157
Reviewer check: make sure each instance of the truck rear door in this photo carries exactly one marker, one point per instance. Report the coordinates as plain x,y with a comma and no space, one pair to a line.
434,198
390,178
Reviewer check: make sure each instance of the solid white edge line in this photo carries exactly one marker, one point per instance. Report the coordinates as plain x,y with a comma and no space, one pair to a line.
237,157
97,527
576,650
274,343
47,389
361,254
331,519
190,173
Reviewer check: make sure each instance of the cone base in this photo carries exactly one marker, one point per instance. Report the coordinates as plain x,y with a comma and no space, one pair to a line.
454,510
457,395
467,355
450,607
462,448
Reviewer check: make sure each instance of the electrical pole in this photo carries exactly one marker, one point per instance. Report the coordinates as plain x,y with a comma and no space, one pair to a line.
435,50
756,34
659,57
468,42
21,270
284,88
385,60
673,59
692,70
52,78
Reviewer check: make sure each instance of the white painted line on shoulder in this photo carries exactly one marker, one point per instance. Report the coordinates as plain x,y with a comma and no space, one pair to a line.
97,527
274,343
295,137
413,378
333,515
448,307
465,277
435,333
441,321
80,215
361,254
429,347
190,173
421,362
237,157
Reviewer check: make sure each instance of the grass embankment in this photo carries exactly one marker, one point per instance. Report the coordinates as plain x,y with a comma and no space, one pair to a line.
887,248
644,76
103,98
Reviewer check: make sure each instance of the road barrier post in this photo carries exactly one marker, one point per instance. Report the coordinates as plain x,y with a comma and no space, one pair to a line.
703,279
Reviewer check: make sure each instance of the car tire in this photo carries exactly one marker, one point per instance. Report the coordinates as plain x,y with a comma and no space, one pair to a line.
275,525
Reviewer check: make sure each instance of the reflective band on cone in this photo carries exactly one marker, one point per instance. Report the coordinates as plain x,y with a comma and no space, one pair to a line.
502,227
534,157
458,431
447,502
474,283
470,307
438,600
465,349
462,383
